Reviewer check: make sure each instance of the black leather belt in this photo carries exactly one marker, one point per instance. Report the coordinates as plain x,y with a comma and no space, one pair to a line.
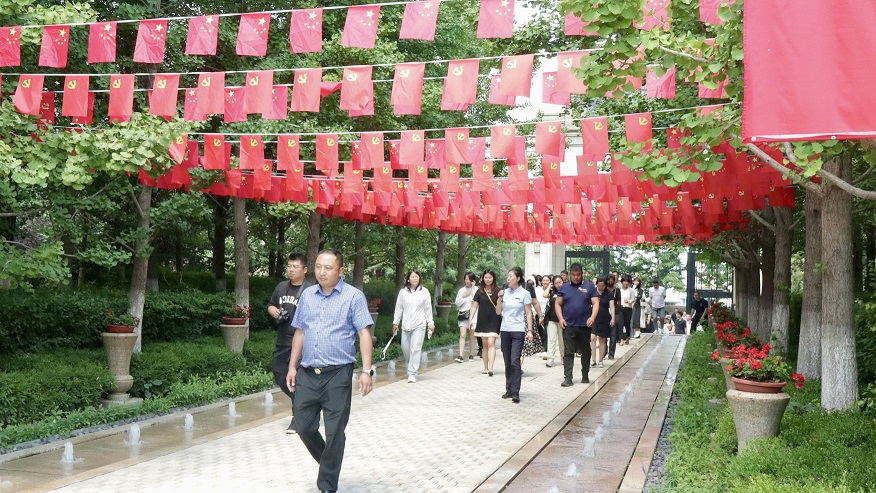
324,369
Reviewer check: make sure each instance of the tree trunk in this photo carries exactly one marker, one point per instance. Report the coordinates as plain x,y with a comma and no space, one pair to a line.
241,253
152,270
839,371
809,354
220,233
740,289
359,256
272,249
439,268
753,295
462,247
280,268
137,288
857,256
765,301
782,278
314,233
399,257
870,252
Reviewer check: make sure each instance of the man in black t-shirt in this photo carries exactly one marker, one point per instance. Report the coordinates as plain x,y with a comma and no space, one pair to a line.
698,308
282,308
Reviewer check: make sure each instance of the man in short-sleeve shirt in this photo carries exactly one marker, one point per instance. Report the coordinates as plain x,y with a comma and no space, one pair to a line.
577,305
328,318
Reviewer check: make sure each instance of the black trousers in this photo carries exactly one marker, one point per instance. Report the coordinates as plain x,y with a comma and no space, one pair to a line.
331,393
615,332
576,339
280,367
628,322
512,349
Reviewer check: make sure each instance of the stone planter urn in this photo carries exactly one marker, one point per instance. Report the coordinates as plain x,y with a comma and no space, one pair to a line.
727,378
756,415
235,335
374,315
443,309
118,354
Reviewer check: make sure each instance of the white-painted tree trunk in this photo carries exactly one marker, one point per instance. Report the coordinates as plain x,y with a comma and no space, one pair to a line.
809,353
782,278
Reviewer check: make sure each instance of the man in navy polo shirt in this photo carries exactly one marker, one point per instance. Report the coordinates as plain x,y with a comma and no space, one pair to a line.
577,305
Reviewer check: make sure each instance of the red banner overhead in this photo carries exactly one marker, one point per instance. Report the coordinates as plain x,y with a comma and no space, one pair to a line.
808,70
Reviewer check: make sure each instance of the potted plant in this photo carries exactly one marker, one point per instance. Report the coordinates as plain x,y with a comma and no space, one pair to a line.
444,304
235,331
757,371
373,305
121,322
235,314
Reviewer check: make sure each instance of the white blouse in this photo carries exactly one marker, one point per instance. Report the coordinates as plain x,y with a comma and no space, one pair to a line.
413,309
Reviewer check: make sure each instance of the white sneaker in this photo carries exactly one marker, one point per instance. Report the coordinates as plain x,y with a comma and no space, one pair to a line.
412,379
638,335
601,365
550,363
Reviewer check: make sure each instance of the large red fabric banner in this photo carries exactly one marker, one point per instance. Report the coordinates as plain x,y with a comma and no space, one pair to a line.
808,70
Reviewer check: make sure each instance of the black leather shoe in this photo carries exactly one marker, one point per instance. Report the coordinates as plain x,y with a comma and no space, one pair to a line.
566,383
506,395
515,400
584,379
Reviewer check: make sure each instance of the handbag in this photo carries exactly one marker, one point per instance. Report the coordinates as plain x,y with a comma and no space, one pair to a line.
462,316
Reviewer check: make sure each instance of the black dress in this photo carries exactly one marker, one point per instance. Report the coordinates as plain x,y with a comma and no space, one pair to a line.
488,321
602,325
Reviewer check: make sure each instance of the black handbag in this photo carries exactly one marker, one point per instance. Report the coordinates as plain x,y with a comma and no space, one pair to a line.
462,316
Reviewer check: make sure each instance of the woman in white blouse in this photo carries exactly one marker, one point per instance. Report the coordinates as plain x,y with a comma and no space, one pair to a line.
413,309
464,297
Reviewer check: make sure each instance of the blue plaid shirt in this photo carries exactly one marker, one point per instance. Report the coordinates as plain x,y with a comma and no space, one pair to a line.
330,324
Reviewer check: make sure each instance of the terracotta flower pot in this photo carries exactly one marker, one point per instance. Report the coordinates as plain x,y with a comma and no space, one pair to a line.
731,354
234,320
443,310
120,329
758,387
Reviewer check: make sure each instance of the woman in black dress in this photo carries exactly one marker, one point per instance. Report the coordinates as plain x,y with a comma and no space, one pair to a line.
483,311
604,320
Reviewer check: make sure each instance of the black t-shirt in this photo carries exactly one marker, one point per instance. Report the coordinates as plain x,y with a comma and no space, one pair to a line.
699,307
286,297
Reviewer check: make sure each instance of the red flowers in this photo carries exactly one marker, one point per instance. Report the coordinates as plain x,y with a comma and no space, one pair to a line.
715,356
798,380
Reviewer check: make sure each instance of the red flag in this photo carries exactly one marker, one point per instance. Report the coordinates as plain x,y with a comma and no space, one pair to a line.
47,108
211,93
709,10
418,176
661,86
305,31
372,150
574,26
165,90
477,149
496,19
495,97
252,151
394,152
360,28
75,101
216,154
516,75
518,177
279,103
461,83
53,50
656,14
550,169
594,135
102,42
407,88
420,20
252,34
674,136
357,90
502,140
482,177
412,148
566,80
121,95
262,176
550,90
257,98
28,94
234,104
151,36
327,153
435,153
718,93
638,127
177,148
88,117
190,107
10,46
456,145
287,152
203,35
549,138
306,91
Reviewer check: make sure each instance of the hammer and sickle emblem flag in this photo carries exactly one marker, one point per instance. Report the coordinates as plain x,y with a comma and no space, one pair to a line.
287,152
211,94
254,81
121,96
502,141
165,91
75,101
352,76
416,138
548,139
159,85
516,75
217,141
257,96
302,79
461,136
407,88
25,83
638,127
567,80
404,73
305,92
330,142
594,135
71,84
458,71
216,153
117,83
357,89
461,83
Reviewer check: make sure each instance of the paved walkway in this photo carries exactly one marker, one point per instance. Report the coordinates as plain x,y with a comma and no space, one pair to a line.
450,432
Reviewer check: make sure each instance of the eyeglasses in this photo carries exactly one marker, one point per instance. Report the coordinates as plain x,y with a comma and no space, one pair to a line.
294,267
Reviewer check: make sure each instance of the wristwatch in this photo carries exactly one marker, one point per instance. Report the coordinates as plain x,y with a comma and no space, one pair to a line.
370,372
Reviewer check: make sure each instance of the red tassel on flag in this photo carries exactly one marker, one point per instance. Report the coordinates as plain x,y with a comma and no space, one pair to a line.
102,42
151,37
305,31
53,50
203,35
252,34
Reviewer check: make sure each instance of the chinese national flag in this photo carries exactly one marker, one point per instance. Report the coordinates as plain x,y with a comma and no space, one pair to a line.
709,10
360,28
165,90
407,88
53,50
216,153
190,107
121,95
327,153
357,90
252,34
252,151
495,97
574,26
516,75
203,35
75,101
656,14
674,136
306,91
435,153
47,108
305,31
566,80
413,146
550,91
594,135
234,104
496,19
638,127
10,46
28,94
279,102
549,138
257,98
372,150
287,152
151,36
461,83
661,86
477,149
502,141
456,145
420,20
211,93
102,42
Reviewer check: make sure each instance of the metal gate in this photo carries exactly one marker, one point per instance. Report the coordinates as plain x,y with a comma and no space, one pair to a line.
594,262
713,281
